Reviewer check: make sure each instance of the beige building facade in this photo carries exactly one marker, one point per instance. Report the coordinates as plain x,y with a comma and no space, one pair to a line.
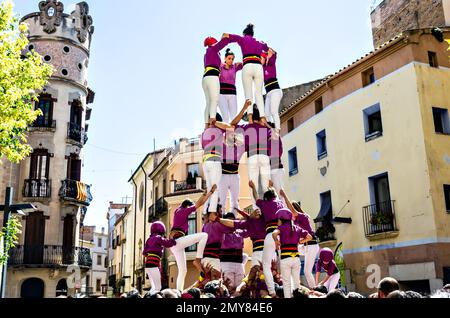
371,143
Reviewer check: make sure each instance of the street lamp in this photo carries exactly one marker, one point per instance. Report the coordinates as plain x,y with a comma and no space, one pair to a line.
8,208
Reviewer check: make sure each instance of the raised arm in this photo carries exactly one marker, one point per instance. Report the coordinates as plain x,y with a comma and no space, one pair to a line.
288,203
205,197
244,214
254,191
229,223
221,44
241,113
233,38
223,125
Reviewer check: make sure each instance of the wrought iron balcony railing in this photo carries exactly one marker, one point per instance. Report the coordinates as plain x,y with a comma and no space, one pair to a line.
379,218
76,191
158,209
49,256
43,124
76,133
187,186
37,188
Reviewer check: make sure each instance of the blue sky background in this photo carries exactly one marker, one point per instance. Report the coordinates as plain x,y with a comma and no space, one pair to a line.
146,68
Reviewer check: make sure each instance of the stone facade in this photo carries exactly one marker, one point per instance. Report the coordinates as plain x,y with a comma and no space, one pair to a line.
392,17
55,188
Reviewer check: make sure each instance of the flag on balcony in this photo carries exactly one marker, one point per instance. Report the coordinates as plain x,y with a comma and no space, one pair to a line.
81,192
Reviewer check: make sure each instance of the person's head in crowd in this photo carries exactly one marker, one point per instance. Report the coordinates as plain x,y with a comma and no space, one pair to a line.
270,195
397,294
153,295
300,293
256,117
249,30
229,216
217,288
171,293
208,295
186,296
134,294
413,294
194,292
386,286
336,294
447,287
124,295
354,295
187,203
214,216
321,289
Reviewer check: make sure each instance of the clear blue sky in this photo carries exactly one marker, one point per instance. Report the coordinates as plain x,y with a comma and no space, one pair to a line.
146,69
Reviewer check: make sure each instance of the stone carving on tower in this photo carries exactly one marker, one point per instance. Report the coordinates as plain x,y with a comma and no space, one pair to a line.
84,21
51,14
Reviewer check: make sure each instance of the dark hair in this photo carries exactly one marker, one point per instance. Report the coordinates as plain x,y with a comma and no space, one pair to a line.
354,295
249,30
321,289
388,285
229,216
219,206
134,294
228,52
336,294
300,294
209,295
279,290
187,203
271,125
397,294
256,115
297,206
194,292
212,287
270,195
153,295
413,294
219,117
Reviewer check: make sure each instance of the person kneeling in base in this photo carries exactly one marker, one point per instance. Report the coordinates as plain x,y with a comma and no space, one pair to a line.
326,262
153,251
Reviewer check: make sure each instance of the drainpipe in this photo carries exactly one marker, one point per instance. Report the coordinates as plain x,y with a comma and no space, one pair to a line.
145,212
134,243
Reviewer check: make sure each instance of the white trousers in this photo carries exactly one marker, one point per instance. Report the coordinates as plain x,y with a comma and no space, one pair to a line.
228,107
253,74
154,276
211,88
277,177
269,254
259,167
332,283
310,252
179,253
231,183
213,174
257,258
290,274
234,272
273,100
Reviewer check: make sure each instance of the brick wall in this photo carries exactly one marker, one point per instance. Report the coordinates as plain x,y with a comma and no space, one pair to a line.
392,17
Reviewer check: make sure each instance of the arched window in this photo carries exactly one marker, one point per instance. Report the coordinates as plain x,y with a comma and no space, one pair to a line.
45,104
61,288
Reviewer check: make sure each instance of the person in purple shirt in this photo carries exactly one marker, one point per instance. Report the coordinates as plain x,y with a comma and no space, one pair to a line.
228,98
269,207
232,256
252,72
215,231
179,232
211,83
233,150
153,252
212,143
287,237
277,171
274,93
310,249
327,263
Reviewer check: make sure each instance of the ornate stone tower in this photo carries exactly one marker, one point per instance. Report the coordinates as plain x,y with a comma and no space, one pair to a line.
49,260
392,17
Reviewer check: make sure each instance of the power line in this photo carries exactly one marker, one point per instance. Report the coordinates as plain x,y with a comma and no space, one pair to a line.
116,151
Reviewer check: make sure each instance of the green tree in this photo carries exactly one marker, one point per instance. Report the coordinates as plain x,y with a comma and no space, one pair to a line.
22,76
8,237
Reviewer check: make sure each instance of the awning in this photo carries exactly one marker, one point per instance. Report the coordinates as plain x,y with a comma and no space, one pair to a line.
326,213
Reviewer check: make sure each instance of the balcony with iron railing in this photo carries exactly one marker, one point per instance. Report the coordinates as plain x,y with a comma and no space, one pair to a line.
37,188
187,187
76,192
380,220
157,210
49,256
43,125
76,133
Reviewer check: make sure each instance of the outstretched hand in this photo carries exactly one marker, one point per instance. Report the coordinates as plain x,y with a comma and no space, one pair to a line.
251,184
225,36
